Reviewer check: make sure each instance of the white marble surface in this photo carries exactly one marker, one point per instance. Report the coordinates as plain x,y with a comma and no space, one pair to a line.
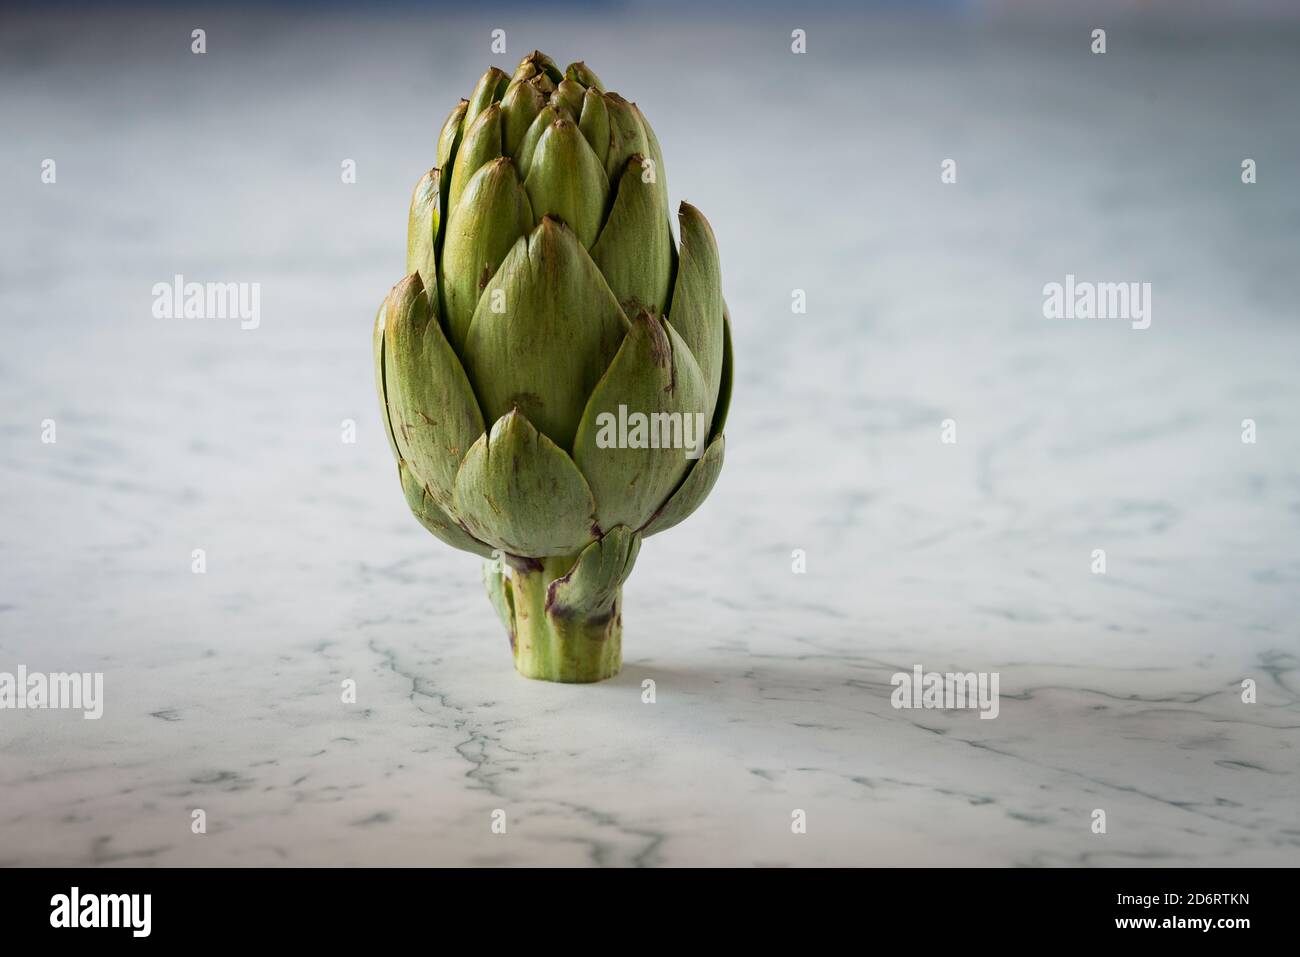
1119,692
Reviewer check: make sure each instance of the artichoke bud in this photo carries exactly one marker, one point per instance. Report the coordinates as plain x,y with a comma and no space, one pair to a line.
546,298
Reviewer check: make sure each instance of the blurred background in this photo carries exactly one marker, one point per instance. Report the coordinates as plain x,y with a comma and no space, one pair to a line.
819,172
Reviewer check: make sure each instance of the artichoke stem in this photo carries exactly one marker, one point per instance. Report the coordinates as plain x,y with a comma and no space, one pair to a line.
553,646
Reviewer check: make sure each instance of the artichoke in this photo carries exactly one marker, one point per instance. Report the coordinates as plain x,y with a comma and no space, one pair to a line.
554,374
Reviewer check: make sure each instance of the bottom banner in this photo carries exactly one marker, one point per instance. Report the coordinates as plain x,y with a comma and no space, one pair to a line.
333,907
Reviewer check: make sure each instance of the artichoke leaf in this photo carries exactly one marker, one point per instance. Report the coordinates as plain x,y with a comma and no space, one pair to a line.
379,377
594,125
723,405
487,90
570,94
499,594
565,180
519,107
520,492
634,251
481,145
493,214
699,483
590,587
581,73
528,145
448,145
422,224
449,138
626,135
656,155
434,415
696,311
545,330
644,425
434,518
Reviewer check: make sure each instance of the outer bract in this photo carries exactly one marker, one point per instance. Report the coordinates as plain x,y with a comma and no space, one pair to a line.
554,371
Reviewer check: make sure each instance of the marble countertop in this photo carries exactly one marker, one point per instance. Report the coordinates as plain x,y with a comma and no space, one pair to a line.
1119,691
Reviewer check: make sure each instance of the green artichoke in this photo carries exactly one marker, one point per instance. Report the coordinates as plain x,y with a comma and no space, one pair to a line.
542,364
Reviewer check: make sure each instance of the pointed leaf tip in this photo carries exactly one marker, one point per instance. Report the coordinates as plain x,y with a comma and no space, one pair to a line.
579,72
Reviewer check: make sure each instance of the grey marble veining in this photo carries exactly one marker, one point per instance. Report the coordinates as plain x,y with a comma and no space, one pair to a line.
1118,691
